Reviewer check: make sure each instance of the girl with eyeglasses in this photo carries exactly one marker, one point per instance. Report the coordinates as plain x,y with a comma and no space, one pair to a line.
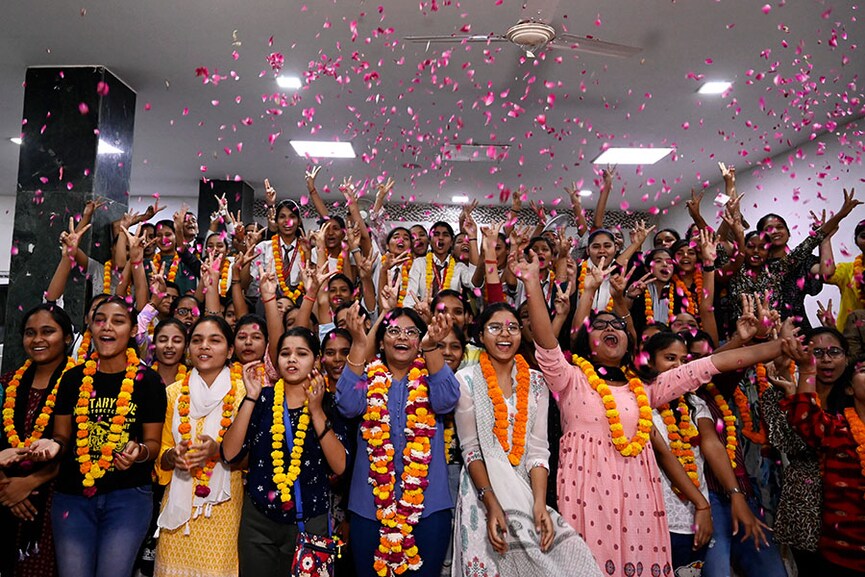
399,385
798,523
502,520
608,484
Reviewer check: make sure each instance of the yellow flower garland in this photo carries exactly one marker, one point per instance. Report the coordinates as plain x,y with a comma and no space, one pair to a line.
178,376
106,277
680,436
729,422
626,447
859,279
84,347
283,478
44,415
88,468
650,310
172,268
278,265
403,287
449,273
223,277
584,267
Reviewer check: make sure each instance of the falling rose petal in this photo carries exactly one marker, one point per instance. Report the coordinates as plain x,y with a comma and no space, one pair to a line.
203,168
766,8
624,205
708,60
598,21
304,200
83,108
186,111
214,103
102,88
147,106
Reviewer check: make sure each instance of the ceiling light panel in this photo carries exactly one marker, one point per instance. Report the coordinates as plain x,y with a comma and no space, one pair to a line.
715,87
632,155
322,149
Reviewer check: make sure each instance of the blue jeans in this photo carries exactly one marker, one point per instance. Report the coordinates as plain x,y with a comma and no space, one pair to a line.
100,536
682,550
726,549
431,536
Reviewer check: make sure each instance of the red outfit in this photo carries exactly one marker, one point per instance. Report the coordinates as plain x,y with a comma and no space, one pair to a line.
842,541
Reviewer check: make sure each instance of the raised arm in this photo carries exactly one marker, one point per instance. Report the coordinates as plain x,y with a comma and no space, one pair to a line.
577,205
320,207
601,208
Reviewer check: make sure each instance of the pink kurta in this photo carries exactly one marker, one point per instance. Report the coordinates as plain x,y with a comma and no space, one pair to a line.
614,502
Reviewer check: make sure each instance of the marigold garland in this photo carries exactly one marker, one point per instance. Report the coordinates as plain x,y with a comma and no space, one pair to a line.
449,436
627,447
397,551
650,310
282,476
95,470
680,435
106,277
859,279
172,268
729,422
84,347
280,271
755,435
223,277
500,409
202,474
857,428
431,273
44,415
584,267
403,287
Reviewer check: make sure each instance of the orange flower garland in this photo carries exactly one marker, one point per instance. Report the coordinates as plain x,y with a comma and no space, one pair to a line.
449,273
403,287
584,267
283,478
172,268
223,277
500,409
397,551
680,436
44,415
857,428
755,435
859,279
84,347
650,310
449,436
280,272
93,471
202,475
729,422
106,277
627,447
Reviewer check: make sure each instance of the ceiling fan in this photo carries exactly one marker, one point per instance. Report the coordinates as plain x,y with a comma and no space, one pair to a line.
534,36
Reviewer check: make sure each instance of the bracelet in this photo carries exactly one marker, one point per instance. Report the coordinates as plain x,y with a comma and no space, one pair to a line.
488,261
351,364
471,238
435,348
248,398
354,251
147,458
706,508
626,317
61,443
731,492
482,492
137,262
212,313
273,298
306,297
709,268
235,281
328,426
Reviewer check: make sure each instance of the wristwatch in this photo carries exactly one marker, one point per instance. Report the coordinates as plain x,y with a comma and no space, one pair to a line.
735,490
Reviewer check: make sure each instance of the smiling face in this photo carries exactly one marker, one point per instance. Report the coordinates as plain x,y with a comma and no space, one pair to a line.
112,329
686,259
295,360
216,243
831,366
190,226
756,251
171,294
400,241
339,292
453,306
671,357
401,341
442,241
166,241
170,345
461,247
44,341
544,254
608,340
684,322
333,235
662,266
209,350
419,241
250,343
778,233
501,336
664,239
334,356
452,351
602,246
286,223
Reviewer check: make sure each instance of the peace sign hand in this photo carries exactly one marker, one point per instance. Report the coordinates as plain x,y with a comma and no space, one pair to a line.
310,178
269,194
825,314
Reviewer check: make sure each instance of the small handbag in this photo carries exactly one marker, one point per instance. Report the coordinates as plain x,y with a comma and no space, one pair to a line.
314,555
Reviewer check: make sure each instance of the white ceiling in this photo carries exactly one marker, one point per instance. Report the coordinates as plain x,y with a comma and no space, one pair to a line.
419,100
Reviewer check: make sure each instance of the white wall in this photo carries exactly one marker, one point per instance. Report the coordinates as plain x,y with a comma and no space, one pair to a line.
810,178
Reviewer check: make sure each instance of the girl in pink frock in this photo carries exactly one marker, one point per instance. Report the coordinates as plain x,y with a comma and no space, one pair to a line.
610,492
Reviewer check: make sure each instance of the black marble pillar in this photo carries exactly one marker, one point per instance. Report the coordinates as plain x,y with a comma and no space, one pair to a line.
238,193
77,134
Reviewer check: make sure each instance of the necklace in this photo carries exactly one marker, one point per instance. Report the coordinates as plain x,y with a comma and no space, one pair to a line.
106,277
280,269
627,447
84,347
729,421
397,551
755,435
857,429
680,436
500,409
202,474
93,471
223,277
172,268
285,478
584,267
44,415
433,273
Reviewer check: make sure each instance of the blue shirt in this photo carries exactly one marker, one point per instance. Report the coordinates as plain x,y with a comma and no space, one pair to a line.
315,475
444,392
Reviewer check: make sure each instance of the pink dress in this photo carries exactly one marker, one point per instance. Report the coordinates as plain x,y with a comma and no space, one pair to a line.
616,503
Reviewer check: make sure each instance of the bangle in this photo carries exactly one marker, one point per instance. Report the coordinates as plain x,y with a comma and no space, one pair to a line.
482,492
471,238
351,364
306,297
61,443
709,268
626,317
734,490
488,261
706,508
137,262
248,398
328,426
435,348
145,459
212,313
235,281
354,251
264,301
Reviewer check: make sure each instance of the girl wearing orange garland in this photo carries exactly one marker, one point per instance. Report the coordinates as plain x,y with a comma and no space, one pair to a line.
608,484
501,419
108,421
31,395
201,511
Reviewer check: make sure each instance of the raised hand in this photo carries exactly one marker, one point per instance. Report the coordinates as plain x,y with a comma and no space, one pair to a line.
825,314
708,246
390,261
849,203
562,302
423,307
608,174
310,178
388,297
694,204
574,194
151,211
817,221
365,264
524,267
270,193
158,288
90,208
437,330
354,323
563,243
538,209
253,379
595,276
748,325
271,218
266,283
352,235
728,173
641,233
72,237
383,190
315,392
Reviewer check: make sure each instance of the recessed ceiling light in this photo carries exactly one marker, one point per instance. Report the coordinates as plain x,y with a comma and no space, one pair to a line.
320,149
714,87
632,155
16,140
459,199
106,148
288,82
586,192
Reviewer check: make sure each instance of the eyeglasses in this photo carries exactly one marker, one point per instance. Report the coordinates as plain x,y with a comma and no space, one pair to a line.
183,311
411,333
831,352
495,329
601,324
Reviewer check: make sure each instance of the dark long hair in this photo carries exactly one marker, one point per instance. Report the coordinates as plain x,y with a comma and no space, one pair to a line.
582,345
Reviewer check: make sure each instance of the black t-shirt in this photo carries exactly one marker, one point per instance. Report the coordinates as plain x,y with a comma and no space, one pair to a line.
147,406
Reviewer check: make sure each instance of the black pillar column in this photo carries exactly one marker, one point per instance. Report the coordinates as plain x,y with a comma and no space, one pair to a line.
238,193
77,146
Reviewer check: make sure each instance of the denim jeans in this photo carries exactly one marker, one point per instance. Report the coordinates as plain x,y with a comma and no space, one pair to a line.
726,549
100,536
682,550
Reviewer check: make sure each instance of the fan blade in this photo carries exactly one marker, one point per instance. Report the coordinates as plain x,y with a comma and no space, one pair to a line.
457,38
594,46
